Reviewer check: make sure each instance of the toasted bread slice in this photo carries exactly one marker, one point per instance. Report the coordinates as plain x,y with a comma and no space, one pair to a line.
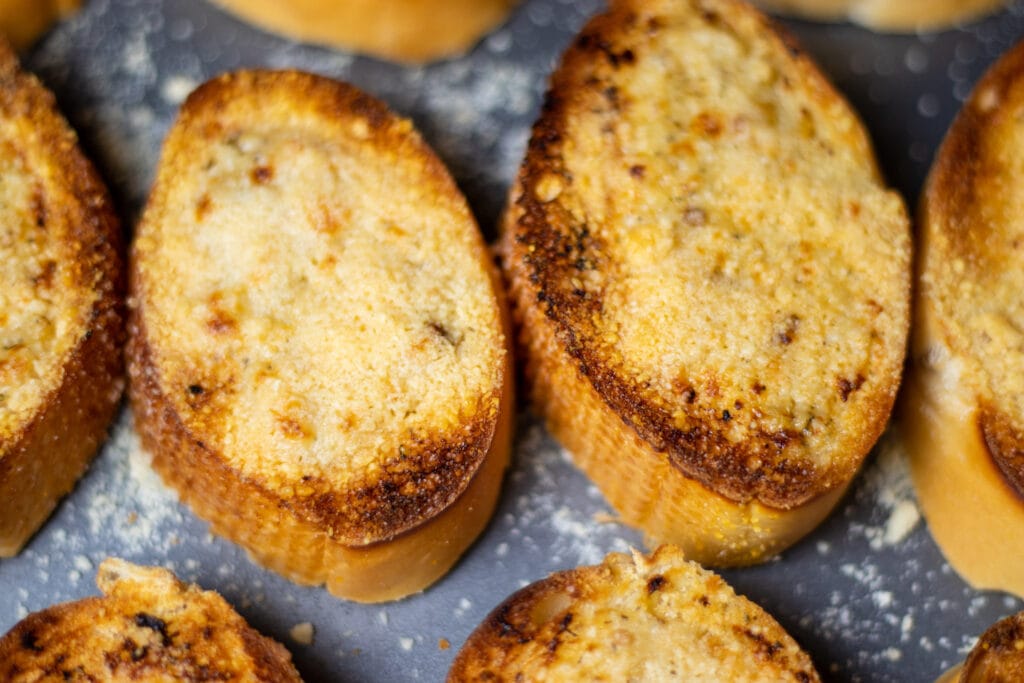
318,350
22,21
711,279
401,30
61,295
650,618
998,656
148,626
964,408
888,15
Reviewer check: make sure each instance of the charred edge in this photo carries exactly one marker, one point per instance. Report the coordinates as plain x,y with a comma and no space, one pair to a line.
30,641
144,620
506,628
765,648
655,584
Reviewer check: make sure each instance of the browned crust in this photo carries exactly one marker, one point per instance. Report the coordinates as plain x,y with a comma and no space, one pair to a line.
956,184
540,617
186,628
550,247
41,462
999,655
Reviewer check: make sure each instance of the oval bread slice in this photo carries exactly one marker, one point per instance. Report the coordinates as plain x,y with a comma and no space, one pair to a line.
147,626
318,356
401,30
61,299
711,279
964,408
632,618
888,15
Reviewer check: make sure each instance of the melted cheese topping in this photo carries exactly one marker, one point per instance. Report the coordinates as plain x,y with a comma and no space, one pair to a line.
757,257
319,297
43,308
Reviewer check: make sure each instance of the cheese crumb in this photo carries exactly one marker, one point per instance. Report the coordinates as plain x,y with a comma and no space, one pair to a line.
302,633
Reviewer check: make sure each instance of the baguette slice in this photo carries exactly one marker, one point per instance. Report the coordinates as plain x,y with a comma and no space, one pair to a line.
61,299
897,16
964,408
401,30
22,21
147,626
650,618
318,350
998,657
711,280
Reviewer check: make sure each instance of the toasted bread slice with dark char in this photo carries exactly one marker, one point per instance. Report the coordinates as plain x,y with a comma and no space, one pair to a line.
964,412
22,21
711,279
61,295
639,618
998,656
147,626
888,15
318,350
403,30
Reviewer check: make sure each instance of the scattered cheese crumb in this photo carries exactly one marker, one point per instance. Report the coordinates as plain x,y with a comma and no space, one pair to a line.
302,633
443,644
405,643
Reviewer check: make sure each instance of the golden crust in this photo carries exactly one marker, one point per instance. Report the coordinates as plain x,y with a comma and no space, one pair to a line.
999,655
402,30
47,444
563,258
365,513
612,622
148,626
885,15
964,409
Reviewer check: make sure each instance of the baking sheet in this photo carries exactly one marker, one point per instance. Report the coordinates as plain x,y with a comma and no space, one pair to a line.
867,594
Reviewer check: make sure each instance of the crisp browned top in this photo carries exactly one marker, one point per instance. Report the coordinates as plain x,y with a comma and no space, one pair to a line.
702,220
631,618
148,627
317,303
58,245
972,255
999,655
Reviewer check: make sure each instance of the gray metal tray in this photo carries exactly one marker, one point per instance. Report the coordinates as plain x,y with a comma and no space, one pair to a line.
868,593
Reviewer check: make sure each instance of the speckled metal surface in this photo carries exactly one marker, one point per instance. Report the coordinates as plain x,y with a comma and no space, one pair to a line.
867,594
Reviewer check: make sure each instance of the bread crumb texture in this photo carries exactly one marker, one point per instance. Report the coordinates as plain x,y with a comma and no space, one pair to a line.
315,294
973,254
999,655
148,626
709,233
632,618
50,279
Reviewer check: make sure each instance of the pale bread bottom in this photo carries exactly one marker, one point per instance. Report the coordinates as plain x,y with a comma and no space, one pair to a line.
976,519
642,485
897,16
